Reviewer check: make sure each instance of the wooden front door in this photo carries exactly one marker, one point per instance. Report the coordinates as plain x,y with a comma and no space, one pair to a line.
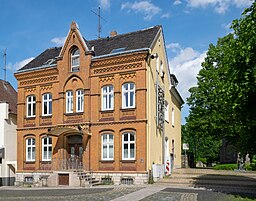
64,179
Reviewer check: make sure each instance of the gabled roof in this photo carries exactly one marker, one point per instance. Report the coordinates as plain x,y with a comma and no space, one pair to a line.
8,95
102,47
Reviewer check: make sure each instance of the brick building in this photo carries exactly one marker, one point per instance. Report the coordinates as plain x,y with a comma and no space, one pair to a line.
94,106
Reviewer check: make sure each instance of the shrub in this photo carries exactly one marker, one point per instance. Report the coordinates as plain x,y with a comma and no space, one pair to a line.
225,167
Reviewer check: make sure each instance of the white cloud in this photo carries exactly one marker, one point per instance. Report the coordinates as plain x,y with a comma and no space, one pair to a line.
19,64
59,41
176,2
166,15
174,47
104,4
220,6
186,66
145,7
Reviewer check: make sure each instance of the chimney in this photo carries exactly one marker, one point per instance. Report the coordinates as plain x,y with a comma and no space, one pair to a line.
113,33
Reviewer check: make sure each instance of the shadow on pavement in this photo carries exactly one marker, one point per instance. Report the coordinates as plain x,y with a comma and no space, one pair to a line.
228,184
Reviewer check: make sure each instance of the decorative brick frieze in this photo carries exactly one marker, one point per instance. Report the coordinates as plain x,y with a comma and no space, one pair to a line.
39,80
128,66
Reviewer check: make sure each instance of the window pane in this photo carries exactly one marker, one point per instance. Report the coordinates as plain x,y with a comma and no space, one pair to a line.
50,153
33,153
29,153
104,151
45,108
125,137
132,151
34,109
131,86
111,151
45,141
126,86
126,99
131,137
131,99
50,107
111,138
29,141
33,141
125,150
104,138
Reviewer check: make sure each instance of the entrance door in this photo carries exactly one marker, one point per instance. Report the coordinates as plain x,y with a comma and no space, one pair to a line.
75,152
75,156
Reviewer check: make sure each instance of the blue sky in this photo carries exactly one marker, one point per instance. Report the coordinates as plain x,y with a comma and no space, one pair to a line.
28,27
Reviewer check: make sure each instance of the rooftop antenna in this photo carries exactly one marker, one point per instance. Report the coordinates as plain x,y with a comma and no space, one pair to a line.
99,18
5,64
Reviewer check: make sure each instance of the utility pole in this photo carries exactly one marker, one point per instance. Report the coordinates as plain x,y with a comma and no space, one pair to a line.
5,64
99,18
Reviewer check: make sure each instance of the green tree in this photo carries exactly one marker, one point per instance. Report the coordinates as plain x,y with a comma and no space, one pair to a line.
223,104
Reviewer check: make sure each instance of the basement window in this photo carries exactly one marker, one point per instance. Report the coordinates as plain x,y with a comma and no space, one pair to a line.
127,180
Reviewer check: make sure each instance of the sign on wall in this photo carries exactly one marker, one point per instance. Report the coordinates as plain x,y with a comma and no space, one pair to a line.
185,146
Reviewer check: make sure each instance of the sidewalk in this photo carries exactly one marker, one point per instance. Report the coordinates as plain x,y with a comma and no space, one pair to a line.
140,194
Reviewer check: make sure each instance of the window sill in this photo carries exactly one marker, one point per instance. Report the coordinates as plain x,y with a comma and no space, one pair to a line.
30,162
73,113
46,161
30,118
107,110
128,161
128,109
107,161
46,116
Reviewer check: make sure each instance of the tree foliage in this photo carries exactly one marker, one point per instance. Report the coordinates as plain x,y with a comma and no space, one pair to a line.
223,104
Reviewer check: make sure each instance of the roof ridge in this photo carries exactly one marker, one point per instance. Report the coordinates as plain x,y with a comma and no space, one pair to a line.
131,32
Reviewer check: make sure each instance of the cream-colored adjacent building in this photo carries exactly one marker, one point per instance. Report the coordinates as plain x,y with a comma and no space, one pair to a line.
8,133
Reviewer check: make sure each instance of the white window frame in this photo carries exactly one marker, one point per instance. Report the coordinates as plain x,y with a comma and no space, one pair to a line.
31,105
69,102
107,102
166,112
128,91
75,54
108,144
129,143
80,100
30,146
48,147
173,116
47,99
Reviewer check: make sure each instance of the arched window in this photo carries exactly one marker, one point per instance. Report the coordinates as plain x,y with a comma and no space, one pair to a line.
47,104
30,149
128,95
128,146
107,147
31,106
80,100
69,101
75,60
108,97
46,148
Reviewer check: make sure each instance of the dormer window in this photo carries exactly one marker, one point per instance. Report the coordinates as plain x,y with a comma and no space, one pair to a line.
75,60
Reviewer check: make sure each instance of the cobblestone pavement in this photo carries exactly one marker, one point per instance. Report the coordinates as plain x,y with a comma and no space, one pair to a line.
117,193
66,194
173,194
